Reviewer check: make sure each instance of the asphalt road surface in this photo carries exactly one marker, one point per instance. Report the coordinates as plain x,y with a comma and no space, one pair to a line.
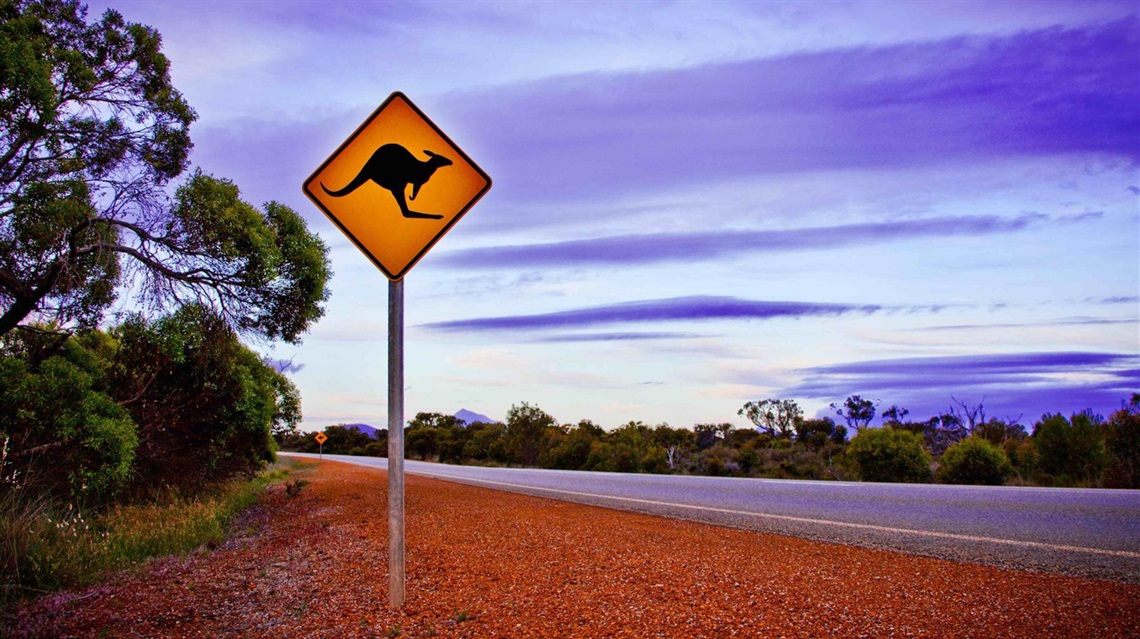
1089,532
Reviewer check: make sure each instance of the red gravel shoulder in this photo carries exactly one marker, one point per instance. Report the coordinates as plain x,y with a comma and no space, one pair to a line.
484,563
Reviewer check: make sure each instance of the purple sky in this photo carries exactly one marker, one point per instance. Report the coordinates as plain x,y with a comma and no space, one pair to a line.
700,204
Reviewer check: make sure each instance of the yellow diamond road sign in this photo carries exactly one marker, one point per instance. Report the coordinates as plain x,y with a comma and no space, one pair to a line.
396,186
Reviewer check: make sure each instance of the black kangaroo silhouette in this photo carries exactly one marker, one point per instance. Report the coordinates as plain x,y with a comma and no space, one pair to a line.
394,168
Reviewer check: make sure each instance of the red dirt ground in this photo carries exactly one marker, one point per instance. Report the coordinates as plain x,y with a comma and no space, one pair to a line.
483,563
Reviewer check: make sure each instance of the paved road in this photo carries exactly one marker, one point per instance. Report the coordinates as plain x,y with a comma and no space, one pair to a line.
1087,532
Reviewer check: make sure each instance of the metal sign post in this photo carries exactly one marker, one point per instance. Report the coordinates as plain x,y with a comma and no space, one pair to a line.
395,187
396,443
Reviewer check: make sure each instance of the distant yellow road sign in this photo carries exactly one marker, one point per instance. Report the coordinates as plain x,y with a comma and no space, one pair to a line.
396,186
321,438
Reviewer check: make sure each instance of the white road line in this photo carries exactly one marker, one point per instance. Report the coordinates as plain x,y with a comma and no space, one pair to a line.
801,520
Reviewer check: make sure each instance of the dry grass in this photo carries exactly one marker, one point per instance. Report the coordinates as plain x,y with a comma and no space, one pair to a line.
46,545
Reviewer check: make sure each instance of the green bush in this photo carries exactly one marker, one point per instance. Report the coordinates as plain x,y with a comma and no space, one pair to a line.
974,460
1071,451
889,455
63,435
1022,454
1122,441
192,359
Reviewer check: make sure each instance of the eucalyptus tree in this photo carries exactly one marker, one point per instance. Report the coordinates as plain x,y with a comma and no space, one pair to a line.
776,417
93,136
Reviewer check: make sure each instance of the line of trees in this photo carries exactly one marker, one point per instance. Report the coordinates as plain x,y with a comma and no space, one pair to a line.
98,203
960,446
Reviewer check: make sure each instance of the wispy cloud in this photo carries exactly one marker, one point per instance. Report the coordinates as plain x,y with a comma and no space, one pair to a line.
686,309
971,98
1008,384
999,364
1068,321
650,248
618,337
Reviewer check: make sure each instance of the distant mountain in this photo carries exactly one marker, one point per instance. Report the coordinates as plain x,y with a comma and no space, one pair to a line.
470,417
364,428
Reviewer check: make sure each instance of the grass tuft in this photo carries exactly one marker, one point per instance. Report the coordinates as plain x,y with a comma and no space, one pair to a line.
47,545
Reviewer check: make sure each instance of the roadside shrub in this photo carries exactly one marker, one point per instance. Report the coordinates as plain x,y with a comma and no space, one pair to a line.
1122,440
1022,454
974,460
655,461
714,467
889,455
61,434
204,403
600,459
1071,451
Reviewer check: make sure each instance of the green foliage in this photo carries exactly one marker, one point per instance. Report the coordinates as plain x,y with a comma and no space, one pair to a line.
676,442
1022,455
170,407
342,439
91,134
452,440
62,434
856,411
819,449
1071,451
997,431
894,415
85,111
816,433
432,434
714,466
889,455
487,443
572,452
47,543
708,435
974,460
776,417
434,420
526,432
1122,441
204,404
421,441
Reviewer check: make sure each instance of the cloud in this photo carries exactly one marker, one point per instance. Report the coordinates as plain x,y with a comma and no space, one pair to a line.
1068,321
1081,217
1009,385
1048,92
686,309
618,337
600,136
651,248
